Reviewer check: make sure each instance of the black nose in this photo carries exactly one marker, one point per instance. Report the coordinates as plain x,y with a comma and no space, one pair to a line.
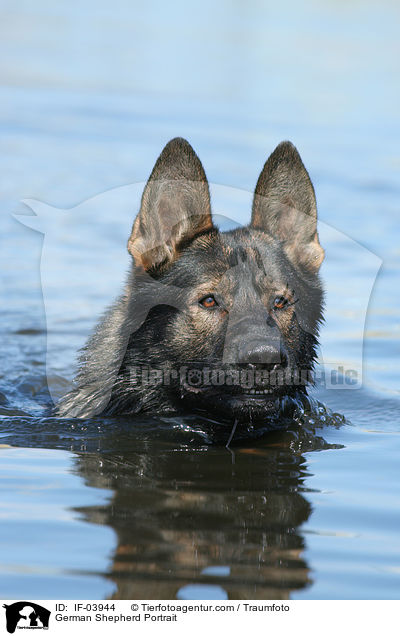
267,354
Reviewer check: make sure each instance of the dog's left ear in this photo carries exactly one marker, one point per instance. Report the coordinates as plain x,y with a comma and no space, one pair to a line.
284,205
175,207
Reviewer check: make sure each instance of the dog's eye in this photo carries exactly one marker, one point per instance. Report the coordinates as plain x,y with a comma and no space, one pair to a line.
280,302
208,302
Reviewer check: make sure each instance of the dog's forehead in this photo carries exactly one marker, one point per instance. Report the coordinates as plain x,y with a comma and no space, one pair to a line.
241,255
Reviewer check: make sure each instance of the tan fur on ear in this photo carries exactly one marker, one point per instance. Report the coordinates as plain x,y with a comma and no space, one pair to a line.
309,256
175,206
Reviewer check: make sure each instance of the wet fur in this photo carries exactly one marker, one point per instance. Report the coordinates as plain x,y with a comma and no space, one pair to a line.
177,250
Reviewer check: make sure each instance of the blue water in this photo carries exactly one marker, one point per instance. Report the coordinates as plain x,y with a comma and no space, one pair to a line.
89,94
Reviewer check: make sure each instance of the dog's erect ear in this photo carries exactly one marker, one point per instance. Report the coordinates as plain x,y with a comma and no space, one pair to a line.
284,206
175,206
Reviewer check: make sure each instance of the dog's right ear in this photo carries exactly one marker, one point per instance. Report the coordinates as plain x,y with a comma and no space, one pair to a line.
175,207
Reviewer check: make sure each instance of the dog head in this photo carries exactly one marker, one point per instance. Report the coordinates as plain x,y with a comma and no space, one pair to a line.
242,321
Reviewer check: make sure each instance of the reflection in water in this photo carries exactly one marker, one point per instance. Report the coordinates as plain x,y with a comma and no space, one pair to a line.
189,512
193,514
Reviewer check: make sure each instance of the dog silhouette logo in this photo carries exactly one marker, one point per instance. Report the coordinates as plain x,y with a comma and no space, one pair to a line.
26,615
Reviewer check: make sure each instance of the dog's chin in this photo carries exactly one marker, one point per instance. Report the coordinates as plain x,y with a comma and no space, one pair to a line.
249,407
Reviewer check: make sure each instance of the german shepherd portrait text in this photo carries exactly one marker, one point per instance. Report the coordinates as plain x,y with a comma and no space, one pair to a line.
223,324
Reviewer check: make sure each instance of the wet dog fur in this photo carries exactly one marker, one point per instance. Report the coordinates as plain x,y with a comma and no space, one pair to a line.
202,309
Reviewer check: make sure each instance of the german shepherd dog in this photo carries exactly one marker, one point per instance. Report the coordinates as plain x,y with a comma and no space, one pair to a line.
226,323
